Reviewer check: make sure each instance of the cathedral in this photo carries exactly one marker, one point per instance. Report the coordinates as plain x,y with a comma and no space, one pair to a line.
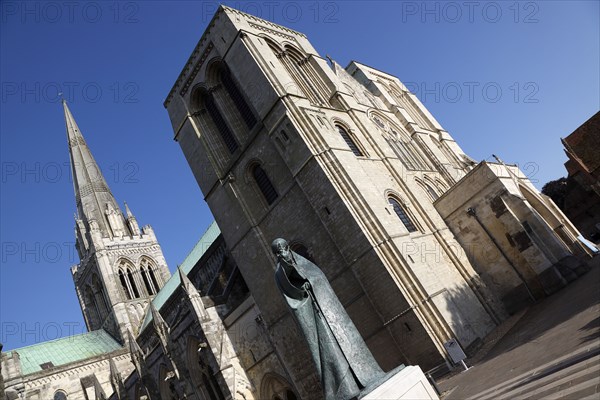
421,244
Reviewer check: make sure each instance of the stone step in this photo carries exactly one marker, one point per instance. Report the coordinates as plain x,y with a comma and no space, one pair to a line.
589,388
572,362
557,382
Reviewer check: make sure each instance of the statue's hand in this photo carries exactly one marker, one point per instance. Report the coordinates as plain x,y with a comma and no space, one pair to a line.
306,286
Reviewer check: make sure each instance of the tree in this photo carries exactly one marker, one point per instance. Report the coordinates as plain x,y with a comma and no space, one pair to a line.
557,190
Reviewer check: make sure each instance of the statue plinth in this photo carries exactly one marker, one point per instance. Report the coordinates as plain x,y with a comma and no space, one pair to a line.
409,383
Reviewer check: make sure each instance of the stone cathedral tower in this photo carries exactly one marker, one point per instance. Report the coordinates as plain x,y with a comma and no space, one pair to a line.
121,265
420,243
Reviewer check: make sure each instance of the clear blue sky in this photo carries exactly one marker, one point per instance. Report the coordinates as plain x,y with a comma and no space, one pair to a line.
508,78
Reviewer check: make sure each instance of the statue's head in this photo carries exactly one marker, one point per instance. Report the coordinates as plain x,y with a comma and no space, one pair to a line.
280,247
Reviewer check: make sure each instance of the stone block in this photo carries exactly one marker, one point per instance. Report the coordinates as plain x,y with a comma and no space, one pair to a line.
408,383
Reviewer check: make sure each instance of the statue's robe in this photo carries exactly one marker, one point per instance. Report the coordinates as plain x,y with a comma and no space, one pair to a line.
343,361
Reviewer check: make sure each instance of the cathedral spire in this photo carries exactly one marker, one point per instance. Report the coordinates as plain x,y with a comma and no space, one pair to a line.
92,195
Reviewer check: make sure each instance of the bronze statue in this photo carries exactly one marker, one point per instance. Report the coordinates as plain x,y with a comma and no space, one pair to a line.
343,361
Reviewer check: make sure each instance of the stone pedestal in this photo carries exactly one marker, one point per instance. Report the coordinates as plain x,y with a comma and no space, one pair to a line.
408,384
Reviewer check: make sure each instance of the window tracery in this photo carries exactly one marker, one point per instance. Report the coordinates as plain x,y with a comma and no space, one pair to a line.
401,144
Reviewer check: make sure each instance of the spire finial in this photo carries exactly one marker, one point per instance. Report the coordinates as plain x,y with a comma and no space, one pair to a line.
127,210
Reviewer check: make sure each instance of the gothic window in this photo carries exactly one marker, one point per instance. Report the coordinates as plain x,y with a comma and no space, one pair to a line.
132,284
404,100
221,125
148,268
264,184
431,191
348,139
210,382
100,299
153,279
401,144
401,213
238,99
124,285
202,375
307,80
91,306
146,280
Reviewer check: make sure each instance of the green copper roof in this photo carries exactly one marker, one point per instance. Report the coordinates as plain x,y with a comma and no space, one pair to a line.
65,350
207,239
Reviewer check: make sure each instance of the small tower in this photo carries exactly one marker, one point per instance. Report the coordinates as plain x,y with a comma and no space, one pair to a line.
121,266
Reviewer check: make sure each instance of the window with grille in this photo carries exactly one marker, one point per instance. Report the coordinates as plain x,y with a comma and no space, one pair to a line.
401,213
346,136
226,134
264,184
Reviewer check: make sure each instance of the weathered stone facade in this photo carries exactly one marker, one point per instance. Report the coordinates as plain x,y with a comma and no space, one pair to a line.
347,164
355,173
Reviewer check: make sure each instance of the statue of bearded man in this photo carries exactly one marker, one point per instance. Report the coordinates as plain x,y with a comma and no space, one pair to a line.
342,359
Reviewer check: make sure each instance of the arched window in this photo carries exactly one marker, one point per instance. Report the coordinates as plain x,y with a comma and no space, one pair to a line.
99,296
92,308
351,144
132,284
219,121
431,191
124,285
153,279
210,382
146,280
264,184
298,66
147,268
274,387
401,213
238,99
203,378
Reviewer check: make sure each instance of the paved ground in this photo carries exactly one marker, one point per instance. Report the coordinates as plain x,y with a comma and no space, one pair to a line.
551,350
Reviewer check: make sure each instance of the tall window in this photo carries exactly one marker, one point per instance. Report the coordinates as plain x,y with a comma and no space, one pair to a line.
92,307
210,382
100,298
132,284
238,99
150,282
124,285
264,184
401,213
219,121
431,191
147,284
306,78
153,279
353,146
